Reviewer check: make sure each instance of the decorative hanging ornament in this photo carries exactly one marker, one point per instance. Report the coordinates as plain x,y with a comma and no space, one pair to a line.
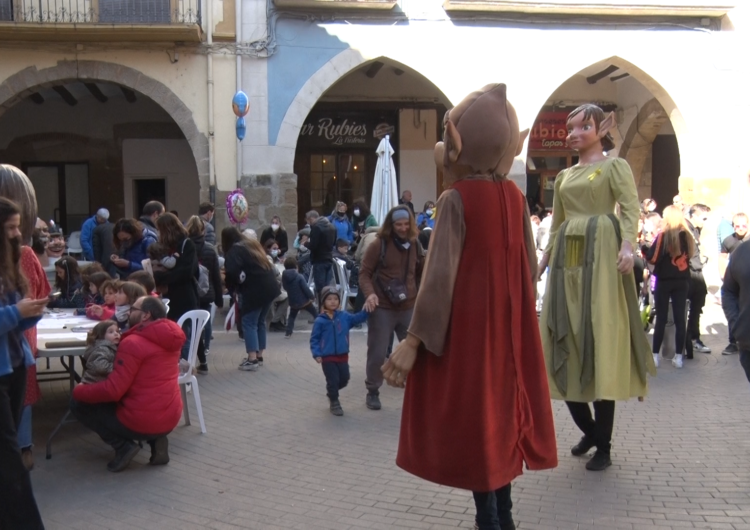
237,207
241,128
240,104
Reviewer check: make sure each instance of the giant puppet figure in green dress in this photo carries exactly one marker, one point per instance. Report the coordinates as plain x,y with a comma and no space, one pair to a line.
594,345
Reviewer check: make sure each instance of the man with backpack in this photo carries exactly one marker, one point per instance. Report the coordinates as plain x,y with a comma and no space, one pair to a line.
322,239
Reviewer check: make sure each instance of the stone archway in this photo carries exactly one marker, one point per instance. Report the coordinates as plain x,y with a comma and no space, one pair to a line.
636,146
28,80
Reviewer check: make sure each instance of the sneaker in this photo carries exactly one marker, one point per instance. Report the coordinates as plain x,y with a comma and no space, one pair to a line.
677,361
288,336
731,349
159,451
583,447
208,351
123,456
372,401
260,360
700,347
336,409
656,360
599,462
248,366
202,369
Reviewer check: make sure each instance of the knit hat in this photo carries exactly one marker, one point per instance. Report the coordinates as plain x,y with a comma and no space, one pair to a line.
327,291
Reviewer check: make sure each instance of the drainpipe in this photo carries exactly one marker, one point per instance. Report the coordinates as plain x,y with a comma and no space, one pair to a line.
210,86
238,39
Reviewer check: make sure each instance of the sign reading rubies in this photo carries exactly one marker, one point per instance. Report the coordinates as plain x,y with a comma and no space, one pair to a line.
549,131
345,130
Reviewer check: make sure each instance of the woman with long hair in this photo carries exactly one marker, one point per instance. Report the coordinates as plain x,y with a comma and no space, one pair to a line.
426,219
670,254
16,186
388,278
131,242
209,258
69,283
253,277
18,312
181,280
594,345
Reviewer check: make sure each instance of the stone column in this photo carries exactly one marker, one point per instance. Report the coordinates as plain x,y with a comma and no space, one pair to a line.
269,195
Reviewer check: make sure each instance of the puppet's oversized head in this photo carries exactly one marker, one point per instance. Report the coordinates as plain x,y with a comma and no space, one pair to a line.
481,136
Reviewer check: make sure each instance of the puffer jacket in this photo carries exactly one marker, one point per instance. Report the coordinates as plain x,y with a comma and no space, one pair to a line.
100,359
296,287
208,257
143,382
330,336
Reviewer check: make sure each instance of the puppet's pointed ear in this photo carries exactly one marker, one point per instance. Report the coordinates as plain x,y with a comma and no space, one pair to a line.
452,142
521,140
607,124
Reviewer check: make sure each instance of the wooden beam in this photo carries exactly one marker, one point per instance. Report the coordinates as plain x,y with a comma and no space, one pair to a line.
129,94
618,77
37,98
96,92
67,96
601,75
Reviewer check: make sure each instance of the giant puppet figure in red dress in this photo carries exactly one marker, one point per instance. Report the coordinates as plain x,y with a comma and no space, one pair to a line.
477,403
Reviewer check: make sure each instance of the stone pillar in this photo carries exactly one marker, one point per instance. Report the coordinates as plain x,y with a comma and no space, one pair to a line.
269,195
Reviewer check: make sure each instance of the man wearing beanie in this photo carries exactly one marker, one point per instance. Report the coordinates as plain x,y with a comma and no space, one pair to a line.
87,232
329,343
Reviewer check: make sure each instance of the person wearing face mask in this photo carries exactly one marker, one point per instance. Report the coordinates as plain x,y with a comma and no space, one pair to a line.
276,232
426,219
340,220
362,220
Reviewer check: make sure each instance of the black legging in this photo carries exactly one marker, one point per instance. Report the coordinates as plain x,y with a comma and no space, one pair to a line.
677,291
598,428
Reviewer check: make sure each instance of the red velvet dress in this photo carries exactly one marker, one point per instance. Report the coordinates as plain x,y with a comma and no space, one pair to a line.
474,415
38,288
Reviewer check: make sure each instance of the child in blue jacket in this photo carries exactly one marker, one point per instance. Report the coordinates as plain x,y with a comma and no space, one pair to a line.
329,343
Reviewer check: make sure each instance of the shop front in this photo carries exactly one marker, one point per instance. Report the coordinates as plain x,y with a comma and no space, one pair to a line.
335,158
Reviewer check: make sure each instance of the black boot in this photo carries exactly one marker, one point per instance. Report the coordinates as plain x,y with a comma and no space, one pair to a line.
159,451
336,409
123,456
373,400
583,447
600,461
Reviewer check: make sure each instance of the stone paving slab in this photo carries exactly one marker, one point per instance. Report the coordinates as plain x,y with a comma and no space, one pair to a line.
274,458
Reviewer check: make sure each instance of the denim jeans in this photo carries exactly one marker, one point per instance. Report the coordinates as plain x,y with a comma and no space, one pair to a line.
337,377
24,429
494,509
254,329
322,276
293,316
745,362
17,505
187,328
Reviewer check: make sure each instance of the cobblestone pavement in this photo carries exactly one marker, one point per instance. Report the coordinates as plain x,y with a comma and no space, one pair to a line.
274,457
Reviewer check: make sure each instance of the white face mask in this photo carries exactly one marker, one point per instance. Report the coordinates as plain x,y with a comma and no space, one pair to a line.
274,253
274,227
356,212
428,212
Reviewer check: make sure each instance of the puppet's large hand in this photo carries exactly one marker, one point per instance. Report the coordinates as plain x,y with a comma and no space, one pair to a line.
625,259
401,362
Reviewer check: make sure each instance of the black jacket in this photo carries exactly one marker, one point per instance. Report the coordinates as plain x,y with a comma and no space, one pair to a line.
181,280
280,237
208,257
666,267
256,284
103,243
322,240
735,295
296,287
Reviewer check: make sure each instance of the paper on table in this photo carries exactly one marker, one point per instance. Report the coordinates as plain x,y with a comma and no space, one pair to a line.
60,336
59,323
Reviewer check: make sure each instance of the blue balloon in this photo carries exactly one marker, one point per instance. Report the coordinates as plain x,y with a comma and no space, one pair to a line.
240,104
241,128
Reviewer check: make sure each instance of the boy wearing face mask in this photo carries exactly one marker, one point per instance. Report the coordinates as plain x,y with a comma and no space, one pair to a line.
276,232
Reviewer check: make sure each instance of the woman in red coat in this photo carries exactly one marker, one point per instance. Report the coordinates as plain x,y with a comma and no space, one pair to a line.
477,404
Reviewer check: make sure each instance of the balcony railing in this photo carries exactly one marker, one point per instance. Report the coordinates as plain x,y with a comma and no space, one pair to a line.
132,12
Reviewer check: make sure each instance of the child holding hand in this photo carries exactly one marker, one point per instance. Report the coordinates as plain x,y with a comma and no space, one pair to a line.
101,346
329,343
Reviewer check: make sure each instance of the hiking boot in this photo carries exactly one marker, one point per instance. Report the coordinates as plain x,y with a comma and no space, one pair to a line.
599,462
372,401
731,349
248,366
159,451
583,447
677,361
700,347
202,369
336,409
123,456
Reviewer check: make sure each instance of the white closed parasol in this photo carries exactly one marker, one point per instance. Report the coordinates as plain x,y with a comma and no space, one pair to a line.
384,192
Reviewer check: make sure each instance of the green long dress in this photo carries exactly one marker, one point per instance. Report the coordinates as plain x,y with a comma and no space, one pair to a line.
581,192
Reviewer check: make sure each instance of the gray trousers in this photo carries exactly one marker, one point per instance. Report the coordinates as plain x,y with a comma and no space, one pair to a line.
380,327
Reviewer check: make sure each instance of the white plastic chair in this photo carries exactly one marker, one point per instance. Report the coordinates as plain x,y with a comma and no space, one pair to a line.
74,243
198,317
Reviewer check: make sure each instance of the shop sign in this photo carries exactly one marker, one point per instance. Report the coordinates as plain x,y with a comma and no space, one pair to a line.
549,131
345,131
